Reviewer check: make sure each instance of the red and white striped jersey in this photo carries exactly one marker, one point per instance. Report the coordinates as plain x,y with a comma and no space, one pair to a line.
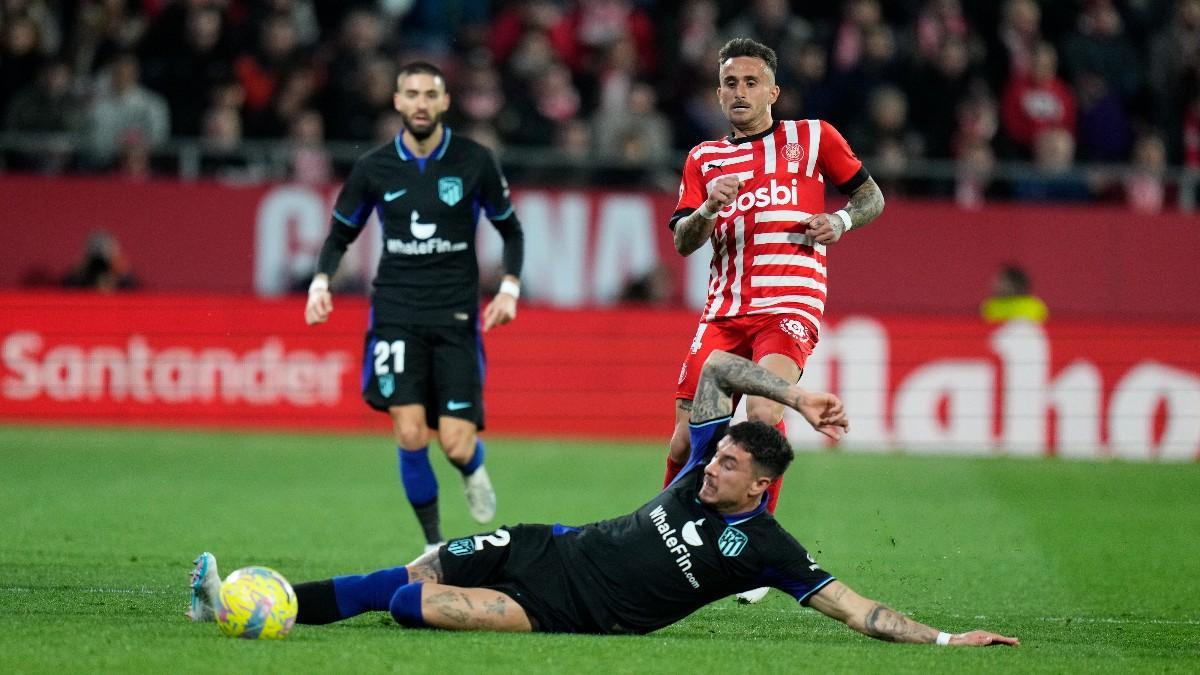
762,262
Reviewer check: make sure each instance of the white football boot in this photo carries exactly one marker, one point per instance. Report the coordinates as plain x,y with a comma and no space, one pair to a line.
753,596
481,498
206,588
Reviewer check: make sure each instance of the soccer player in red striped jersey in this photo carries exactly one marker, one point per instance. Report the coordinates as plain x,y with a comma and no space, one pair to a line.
759,196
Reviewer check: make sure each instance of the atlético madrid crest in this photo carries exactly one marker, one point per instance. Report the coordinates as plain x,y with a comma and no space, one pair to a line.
792,152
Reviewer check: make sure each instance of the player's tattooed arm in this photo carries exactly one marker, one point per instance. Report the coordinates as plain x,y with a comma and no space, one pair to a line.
427,568
692,231
885,623
866,203
724,375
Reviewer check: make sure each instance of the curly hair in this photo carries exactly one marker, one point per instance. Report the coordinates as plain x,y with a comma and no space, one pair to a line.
747,47
770,450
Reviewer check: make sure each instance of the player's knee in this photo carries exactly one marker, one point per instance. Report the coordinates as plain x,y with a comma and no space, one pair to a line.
459,445
765,411
410,434
405,606
680,445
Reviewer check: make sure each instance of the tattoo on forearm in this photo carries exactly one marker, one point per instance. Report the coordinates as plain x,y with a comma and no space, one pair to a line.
691,232
427,568
685,405
865,203
724,374
887,624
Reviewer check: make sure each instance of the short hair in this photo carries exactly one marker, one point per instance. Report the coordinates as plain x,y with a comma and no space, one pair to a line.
420,68
769,449
747,47
1017,277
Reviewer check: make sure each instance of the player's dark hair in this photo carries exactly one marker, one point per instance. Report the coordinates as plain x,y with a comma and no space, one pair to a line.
770,450
748,47
420,68
1017,277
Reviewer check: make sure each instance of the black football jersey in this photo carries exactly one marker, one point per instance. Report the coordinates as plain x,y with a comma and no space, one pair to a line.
672,556
429,208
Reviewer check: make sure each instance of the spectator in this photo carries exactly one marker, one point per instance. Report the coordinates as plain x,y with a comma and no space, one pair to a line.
1036,101
1010,53
261,70
804,68
20,56
223,155
1099,47
857,18
105,29
941,86
360,41
125,113
974,185
1145,185
103,266
772,23
310,162
47,106
1104,131
937,22
1012,298
1054,177
202,58
1173,53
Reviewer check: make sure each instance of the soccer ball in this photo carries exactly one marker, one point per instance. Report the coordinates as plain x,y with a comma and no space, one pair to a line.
256,603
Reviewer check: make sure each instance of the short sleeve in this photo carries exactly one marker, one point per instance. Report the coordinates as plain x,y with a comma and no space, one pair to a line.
494,190
356,198
691,185
792,570
837,162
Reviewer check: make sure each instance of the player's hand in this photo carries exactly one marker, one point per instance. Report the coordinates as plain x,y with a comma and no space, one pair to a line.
320,302
982,638
824,228
825,413
723,191
501,310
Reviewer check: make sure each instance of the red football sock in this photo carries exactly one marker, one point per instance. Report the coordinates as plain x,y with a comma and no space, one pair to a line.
777,484
673,469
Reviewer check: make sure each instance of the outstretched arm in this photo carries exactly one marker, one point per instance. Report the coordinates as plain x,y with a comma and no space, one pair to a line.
838,601
725,374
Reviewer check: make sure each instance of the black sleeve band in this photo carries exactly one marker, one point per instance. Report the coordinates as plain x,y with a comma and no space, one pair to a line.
340,236
514,244
855,181
679,215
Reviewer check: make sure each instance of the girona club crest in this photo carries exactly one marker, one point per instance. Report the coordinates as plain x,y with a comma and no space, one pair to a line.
792,152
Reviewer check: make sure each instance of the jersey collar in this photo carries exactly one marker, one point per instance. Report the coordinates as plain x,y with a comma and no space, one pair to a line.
438,152
738,518
755,137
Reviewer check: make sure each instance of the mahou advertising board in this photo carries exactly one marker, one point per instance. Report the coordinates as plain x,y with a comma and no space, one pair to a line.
910,383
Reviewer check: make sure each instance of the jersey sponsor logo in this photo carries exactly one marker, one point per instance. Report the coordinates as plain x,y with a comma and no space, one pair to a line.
690,532
677,548
774,194
450,190
732,542
393,196
458,405
387,384
420,230
792,152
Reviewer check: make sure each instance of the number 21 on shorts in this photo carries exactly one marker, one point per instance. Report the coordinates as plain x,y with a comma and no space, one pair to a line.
389,360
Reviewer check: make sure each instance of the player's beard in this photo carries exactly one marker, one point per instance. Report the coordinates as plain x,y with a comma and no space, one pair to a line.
421,133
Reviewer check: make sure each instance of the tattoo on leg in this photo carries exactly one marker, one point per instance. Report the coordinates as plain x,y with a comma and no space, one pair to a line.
497,607
685,404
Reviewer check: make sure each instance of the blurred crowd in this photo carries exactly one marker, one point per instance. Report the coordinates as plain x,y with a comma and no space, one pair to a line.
1053,82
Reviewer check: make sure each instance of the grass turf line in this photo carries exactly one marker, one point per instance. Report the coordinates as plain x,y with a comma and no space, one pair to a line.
1091,564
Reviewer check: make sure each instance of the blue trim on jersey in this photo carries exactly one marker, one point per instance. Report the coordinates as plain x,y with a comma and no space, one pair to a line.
819,586
502,216
479,355
344,220
558,529
736,518
421,163
475,213
441,149
701,437
365,376
400,149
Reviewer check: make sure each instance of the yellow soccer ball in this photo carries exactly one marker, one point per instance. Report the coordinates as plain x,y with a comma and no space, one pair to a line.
256,603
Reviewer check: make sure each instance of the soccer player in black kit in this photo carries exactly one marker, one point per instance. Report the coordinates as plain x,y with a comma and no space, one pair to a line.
705,537
423,357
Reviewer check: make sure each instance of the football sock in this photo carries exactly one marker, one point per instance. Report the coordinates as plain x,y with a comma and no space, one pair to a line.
405,606
476,460
673,469
317,603
777,484
372,592
421,488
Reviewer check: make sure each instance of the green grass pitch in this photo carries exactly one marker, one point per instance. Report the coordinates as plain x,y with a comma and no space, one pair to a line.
1093,565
